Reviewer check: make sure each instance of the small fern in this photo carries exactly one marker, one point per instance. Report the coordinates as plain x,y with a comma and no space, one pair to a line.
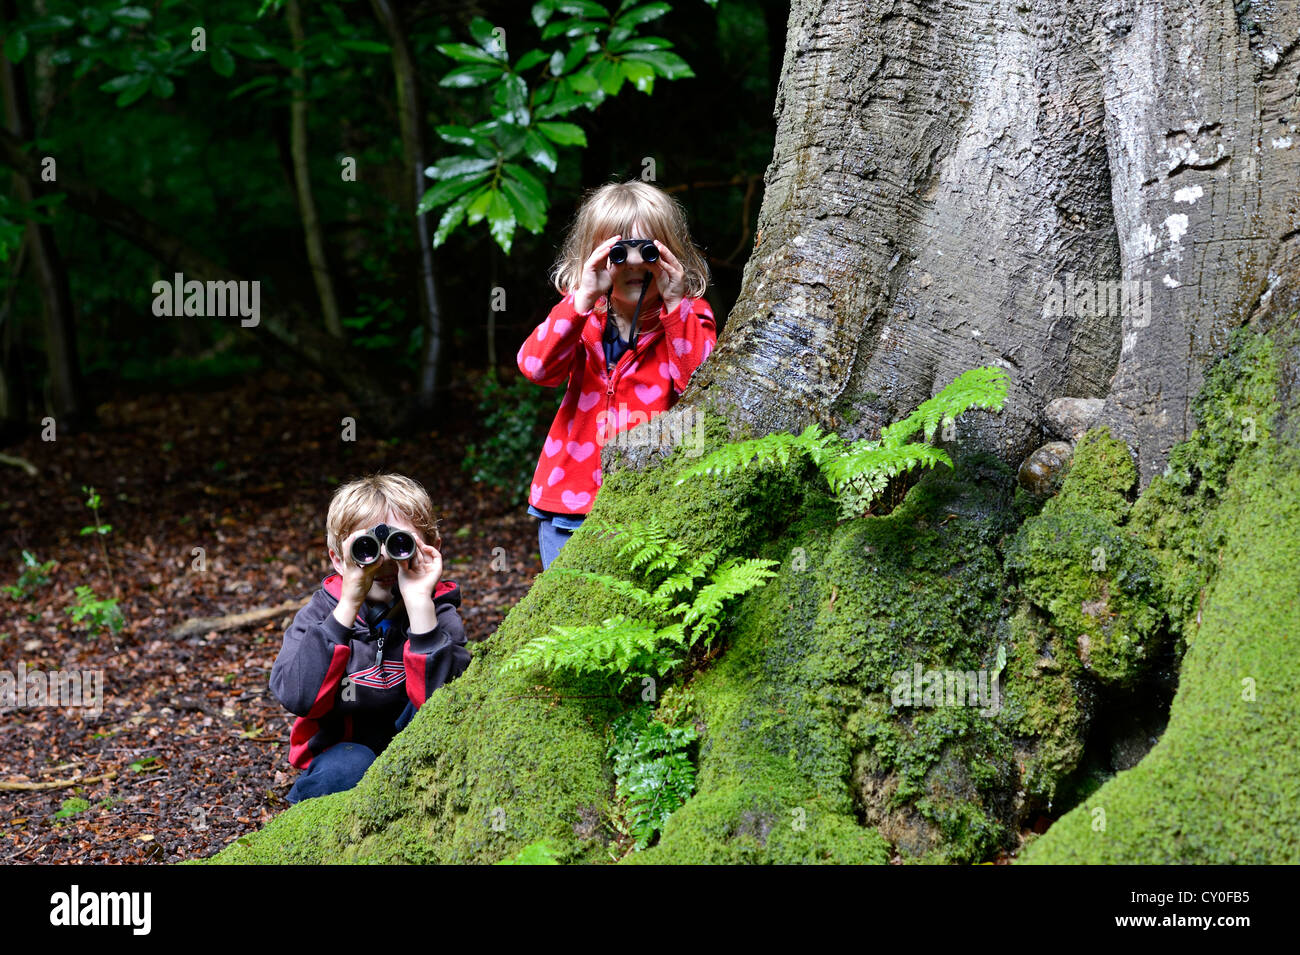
680,615
653,771
859,473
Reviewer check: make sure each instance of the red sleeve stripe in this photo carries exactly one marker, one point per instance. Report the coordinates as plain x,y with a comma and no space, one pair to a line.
333,677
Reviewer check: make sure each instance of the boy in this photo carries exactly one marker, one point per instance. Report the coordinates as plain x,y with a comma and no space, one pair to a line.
341,671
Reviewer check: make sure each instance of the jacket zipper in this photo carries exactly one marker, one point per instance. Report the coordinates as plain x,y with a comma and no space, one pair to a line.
642,345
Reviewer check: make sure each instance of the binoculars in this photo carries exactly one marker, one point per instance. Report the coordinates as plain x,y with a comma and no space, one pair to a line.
618,253
382,539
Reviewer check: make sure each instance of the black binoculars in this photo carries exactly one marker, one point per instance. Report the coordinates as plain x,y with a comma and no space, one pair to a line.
618,253
382,539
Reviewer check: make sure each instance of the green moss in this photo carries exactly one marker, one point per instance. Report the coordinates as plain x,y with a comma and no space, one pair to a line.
309,834
495,762
1222,783
1094,578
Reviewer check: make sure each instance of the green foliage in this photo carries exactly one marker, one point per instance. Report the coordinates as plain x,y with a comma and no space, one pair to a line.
514,415
667,590
92,502
859,473
70,807
100,613
536,853
586,55
653,771
32,575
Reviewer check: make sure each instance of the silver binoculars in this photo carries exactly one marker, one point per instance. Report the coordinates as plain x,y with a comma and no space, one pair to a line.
382,540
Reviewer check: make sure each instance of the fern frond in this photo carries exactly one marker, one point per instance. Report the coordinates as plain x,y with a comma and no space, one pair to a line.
772,448
684,580
732,579
868,464
617,643
652,545
622,587
977,388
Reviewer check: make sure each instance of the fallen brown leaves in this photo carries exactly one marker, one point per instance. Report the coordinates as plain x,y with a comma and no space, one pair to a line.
191,750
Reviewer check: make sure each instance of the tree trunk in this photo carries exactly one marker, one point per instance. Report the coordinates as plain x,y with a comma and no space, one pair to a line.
937,169
311,230
67,401
411,115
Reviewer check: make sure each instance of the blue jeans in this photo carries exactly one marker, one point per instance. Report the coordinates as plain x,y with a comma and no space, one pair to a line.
331,771
550,538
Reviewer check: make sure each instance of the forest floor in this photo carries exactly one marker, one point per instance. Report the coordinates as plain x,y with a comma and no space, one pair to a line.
191,750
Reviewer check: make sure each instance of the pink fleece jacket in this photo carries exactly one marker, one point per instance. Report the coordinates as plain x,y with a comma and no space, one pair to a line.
647,380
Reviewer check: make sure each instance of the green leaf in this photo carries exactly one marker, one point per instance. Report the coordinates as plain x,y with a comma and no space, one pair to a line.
448,190
131,15
569,28
464,53
452,218
640,44
133,92
542,11
478,208
584,8
639,15
119,83
253,51
512,95
481,30
163,87
48,25
501,220
540,151
563,134
641,75
476,74
665,63
223,64
460,135
564,102
529,205
16,47
609,75
530,59
458,166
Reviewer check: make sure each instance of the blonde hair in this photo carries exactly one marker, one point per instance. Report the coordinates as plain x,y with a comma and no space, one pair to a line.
611,210
366,501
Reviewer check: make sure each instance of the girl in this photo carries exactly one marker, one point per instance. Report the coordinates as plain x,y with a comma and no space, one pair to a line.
619,359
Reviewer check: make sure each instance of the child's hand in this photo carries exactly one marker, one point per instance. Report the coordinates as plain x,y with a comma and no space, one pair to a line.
596,279
418,575
670,277
356,579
